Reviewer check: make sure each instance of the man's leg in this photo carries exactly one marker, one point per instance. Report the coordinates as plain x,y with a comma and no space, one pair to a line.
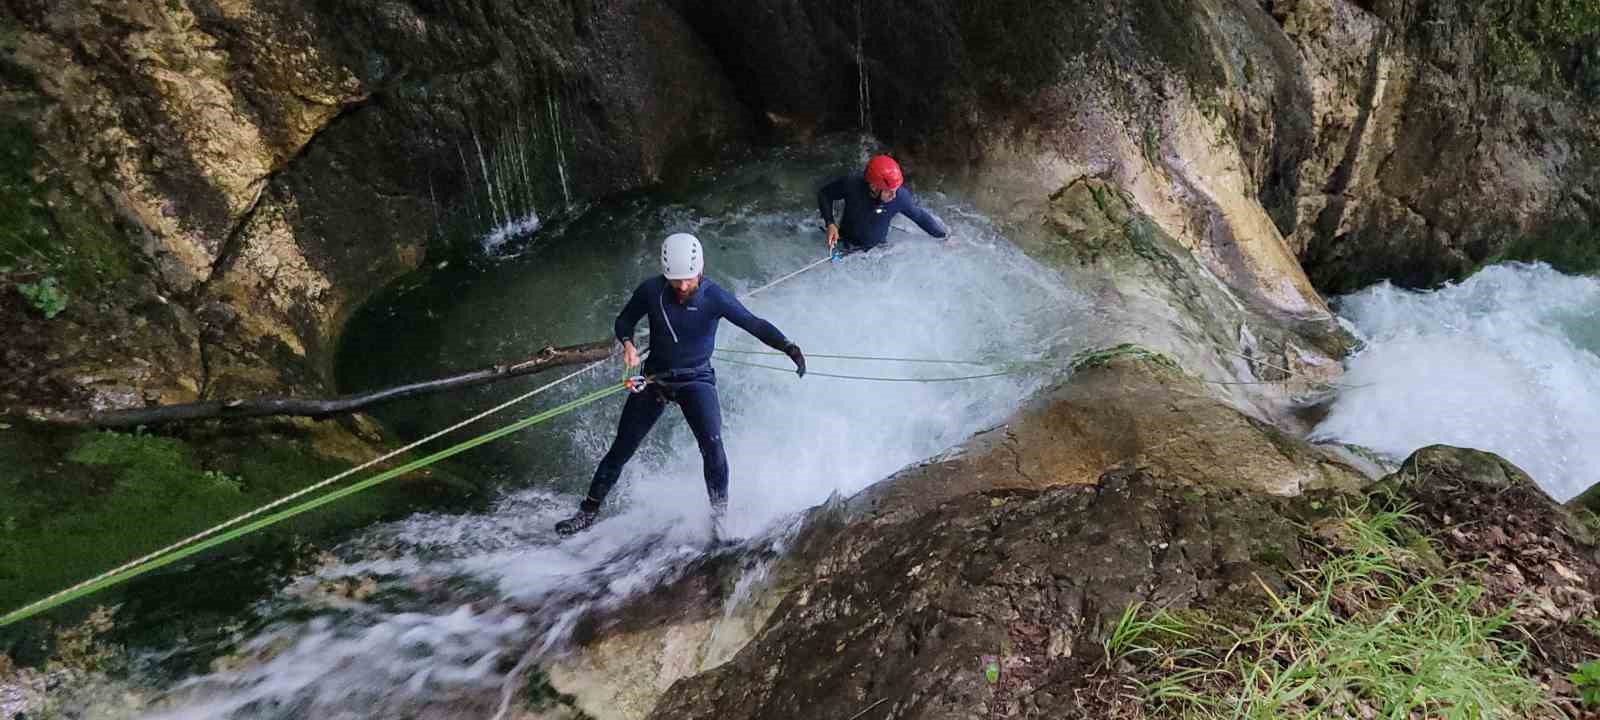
639,414
704,414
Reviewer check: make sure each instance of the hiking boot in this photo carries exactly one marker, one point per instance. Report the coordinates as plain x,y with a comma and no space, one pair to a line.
577,523
719,517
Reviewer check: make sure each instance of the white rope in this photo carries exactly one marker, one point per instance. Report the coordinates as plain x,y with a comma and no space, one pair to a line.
774,283
347,473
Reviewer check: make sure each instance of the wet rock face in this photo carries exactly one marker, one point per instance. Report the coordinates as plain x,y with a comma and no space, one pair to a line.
1382,140
1124,412
1126,482
278,162
184,109
1432,156
902,611
906,612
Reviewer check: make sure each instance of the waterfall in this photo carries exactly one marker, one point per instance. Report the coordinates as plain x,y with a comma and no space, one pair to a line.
1505,361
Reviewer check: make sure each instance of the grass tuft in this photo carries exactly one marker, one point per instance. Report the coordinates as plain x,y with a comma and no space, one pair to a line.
1373,630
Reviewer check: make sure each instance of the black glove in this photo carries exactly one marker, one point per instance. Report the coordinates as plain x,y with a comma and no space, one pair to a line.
793,351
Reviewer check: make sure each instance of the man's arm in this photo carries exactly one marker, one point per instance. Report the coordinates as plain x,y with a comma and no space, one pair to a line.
921,217
829,194
738,314
764,331
634,309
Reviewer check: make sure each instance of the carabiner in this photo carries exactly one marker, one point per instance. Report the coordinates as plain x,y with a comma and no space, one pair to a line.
636,383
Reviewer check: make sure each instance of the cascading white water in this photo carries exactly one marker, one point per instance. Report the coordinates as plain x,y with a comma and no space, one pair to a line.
455,600
1506,361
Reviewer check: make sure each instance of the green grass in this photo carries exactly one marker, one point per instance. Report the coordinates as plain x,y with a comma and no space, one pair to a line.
1137,631
1365,633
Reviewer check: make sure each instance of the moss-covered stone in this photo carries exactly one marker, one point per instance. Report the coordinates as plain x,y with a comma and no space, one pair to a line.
1094,221
1021,47
1570,245
24,226
47,230
1105,356
1589,502
78,503
1545,43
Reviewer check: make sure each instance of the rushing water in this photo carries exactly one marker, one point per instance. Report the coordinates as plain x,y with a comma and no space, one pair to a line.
1506,361
446,604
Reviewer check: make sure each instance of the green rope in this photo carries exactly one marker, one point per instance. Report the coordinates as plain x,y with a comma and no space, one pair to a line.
176,555
1003,373
865,357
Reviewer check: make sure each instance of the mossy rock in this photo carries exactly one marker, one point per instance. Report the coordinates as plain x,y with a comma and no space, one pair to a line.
1102,357
1094,222
78,503
1571,245
1589,501
46,229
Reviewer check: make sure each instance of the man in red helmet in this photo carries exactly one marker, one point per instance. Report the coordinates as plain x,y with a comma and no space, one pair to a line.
871,200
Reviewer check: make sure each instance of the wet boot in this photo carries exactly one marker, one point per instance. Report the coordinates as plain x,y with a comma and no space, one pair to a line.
577,523
719,515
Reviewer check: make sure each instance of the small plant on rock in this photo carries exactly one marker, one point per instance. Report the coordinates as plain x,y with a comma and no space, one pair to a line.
47,296
223,480
1587,679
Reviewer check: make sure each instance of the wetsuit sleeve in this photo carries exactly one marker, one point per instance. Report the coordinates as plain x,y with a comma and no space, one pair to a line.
923,218
636,307
827,195
737,314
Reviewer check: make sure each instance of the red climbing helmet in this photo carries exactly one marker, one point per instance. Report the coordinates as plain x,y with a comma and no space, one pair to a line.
883,173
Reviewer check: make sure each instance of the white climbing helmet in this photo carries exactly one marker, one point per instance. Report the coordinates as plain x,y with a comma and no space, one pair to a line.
681,257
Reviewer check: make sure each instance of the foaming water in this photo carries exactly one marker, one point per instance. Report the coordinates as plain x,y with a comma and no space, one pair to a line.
434,612
498,237
1504,361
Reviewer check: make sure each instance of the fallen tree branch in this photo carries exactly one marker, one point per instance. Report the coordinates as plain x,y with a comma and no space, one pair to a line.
549,357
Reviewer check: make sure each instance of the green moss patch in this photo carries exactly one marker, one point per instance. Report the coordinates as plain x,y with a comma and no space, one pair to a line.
1569,245
48,231
1105,356
1550,43
77,504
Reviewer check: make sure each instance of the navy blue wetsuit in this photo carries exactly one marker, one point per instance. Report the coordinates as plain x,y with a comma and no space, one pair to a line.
866,220
682,337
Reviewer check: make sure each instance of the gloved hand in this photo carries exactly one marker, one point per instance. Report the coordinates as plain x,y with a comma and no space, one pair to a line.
793,351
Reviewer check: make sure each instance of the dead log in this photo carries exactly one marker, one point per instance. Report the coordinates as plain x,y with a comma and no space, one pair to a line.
549,357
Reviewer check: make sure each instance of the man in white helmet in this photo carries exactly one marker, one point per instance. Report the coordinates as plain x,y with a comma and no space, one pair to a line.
684,309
